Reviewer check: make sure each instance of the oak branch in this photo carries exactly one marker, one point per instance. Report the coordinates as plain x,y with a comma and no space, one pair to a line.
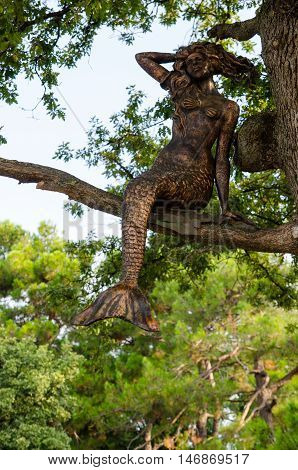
190,225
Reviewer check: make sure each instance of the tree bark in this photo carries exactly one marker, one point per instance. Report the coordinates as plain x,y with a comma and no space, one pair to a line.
278,26
264,395
242,30
257,134
50,179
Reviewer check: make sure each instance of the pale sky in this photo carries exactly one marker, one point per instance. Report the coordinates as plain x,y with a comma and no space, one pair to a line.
97,86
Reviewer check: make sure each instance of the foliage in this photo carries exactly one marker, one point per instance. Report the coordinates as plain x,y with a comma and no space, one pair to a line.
131,137
37,38
162,383
34,391
130,381
35,273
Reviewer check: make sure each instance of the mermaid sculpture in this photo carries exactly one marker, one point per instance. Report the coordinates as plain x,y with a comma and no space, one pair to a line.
184,171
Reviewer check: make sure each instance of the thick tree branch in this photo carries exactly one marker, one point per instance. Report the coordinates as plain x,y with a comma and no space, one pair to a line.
282,239
190,225
59,181
281,382
242,31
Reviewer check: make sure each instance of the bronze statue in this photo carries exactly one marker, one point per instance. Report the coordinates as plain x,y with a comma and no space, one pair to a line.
184,170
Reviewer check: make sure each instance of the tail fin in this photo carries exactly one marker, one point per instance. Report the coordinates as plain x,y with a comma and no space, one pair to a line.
119,301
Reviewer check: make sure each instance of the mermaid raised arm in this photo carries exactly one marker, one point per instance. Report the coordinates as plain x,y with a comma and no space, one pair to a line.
150,62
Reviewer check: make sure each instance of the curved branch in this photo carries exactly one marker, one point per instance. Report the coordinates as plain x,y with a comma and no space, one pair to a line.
242,31
190,225
281,382
50,179
58,15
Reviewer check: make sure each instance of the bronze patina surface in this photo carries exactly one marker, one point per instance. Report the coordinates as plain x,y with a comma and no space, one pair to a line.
184,171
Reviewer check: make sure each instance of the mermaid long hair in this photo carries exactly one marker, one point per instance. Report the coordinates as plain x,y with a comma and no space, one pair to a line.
223,63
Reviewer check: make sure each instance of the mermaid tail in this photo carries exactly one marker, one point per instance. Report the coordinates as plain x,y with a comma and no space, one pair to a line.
125,300
119,301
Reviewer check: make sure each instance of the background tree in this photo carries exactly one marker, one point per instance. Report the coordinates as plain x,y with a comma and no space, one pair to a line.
34,390
221,375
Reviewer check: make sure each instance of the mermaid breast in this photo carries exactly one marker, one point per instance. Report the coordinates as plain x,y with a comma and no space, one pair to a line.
192,99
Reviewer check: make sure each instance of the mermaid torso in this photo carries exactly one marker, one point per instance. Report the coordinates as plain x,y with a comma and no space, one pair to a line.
188,157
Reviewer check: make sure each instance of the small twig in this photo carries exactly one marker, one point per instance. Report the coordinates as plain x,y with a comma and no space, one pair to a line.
222,359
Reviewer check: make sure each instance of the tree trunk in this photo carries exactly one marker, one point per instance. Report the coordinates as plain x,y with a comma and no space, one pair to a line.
278,27
277,24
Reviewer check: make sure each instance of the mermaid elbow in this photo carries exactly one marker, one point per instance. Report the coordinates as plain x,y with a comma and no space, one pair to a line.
140,56
233,108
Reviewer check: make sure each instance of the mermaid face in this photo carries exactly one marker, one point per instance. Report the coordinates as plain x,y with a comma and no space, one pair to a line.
198,66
